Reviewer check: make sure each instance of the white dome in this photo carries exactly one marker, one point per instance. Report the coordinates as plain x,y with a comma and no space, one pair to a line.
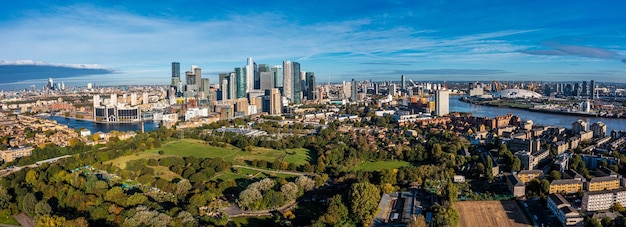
517,93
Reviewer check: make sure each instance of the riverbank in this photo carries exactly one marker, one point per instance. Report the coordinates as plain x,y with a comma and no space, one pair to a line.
530,107
77,123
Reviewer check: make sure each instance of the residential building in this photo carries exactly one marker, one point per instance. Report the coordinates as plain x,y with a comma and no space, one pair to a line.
527,175
579,126
564,211
442,102
568,186
517,188
603,183
599,129
603,200
12,154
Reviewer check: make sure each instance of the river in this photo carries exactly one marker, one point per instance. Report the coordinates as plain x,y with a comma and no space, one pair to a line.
93,127
538,118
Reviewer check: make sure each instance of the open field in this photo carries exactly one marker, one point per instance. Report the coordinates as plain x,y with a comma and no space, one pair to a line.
491,213
121,161
198,148
381,165
164,172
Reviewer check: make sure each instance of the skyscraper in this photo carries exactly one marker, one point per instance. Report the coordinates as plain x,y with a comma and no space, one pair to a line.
403,82
442,102
287,80
175,76
310,79
250,74
278,75
297,84
592,89
205,85
353,95
275,105
197,72
241,80
585,89
267,81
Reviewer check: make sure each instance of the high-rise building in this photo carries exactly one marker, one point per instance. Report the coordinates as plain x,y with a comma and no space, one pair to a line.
133,99
267,80
197,72
354,95
205,85
287,80
145,98
579,126
442,102
403,82
297,84
585,89
96,100
257,76
250,75
310,79
599,129
241,80
278,75
592,89
175,76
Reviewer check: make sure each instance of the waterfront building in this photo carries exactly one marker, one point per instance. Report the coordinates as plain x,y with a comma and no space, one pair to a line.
442,102
579,126
116,114
599,129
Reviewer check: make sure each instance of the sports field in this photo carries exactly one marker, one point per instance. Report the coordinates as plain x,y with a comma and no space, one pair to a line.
491,213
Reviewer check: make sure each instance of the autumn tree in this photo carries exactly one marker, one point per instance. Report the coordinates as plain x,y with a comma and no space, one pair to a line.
364,198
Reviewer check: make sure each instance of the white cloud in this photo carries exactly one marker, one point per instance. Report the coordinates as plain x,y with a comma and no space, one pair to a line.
42,63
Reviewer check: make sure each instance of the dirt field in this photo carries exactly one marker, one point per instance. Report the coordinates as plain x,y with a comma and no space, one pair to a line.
491,213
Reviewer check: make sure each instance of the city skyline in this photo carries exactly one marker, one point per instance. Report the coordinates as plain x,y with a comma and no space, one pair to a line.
476,40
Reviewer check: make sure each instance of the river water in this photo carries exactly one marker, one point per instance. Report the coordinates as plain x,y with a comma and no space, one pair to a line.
93,127
538,118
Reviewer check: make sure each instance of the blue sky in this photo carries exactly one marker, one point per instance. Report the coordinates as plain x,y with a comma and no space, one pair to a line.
425,40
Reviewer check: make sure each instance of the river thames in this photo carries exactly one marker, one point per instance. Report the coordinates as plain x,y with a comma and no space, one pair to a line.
538,118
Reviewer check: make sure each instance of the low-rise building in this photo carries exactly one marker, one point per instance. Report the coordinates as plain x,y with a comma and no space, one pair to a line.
568,186
564,211
603,183
517,188
527,175
12,154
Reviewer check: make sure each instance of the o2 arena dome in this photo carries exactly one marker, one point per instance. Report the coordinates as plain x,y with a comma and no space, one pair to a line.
516,94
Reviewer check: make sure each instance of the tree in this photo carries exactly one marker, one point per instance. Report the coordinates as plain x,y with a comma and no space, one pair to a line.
305,182
28,203
51,221
289,190
446,216
42,208
489,168
617,207
555,175
336,214
248,197
417,221
5,198
451,193
364,198
516,165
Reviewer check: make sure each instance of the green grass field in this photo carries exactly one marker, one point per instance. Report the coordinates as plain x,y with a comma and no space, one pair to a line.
7,218
198,148
165,173
380,165
121,161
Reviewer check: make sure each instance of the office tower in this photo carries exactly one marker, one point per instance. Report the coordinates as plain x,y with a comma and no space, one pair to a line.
403,82
257,76
278,75
267,81
190,78
310,80
442,102
592,89
585,88
353,94
297,84
250,75
133,99
275,105
303,84
242,82
392,90
287,80
197,72
176,76
205,85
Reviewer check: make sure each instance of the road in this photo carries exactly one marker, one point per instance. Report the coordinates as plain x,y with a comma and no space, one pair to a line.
274,171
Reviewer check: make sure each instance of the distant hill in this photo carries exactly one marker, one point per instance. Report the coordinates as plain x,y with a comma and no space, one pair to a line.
15,73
